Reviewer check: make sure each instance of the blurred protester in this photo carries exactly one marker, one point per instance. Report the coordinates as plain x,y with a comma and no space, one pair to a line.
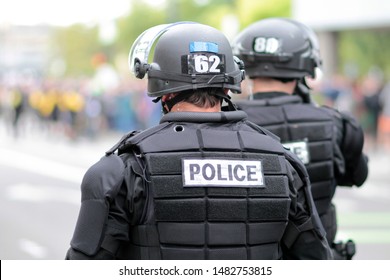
371,88
334,89
19,106
384,118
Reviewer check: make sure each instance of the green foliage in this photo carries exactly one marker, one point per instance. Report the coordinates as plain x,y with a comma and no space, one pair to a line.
363,49
250,11
141,18
76,45
208,12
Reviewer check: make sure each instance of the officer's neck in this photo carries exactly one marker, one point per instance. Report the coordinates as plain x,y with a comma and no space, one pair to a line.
189,107
272,85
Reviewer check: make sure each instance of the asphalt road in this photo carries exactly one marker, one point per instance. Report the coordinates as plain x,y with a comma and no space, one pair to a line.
40,198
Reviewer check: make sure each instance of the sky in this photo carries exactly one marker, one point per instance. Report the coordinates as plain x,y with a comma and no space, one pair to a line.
60,12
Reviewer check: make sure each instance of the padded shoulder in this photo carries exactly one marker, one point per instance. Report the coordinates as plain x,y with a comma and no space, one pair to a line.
103,178
353,136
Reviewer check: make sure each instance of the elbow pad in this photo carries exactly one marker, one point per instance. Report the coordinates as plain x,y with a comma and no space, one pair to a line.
353,140
100,184
356,163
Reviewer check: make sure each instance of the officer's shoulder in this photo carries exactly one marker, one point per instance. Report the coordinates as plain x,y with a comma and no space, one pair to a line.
103,177
133,138
262,130
333,112
342,116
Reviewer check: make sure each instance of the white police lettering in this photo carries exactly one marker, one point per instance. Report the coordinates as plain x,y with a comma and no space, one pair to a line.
300,149
222,173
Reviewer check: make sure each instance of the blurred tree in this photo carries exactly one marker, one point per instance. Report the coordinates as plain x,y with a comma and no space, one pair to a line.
365,48
141,17
250,11
77,45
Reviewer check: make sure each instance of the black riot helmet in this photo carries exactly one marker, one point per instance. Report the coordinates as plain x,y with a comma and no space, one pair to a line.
187,56
278,48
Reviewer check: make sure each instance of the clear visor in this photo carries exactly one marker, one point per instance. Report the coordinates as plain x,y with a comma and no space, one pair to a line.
143,44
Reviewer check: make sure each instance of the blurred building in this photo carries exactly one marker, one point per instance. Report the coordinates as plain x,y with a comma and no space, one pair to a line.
24,48
328,17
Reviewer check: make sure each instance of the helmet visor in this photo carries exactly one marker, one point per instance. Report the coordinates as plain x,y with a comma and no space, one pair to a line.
142,45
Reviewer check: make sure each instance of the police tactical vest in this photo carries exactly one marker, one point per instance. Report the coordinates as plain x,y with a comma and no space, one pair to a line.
308,131
213,192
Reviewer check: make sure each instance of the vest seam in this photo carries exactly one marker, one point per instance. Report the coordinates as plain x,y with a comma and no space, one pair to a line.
206,198
242,151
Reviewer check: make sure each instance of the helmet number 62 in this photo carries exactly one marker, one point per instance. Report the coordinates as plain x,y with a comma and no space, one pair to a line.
207,64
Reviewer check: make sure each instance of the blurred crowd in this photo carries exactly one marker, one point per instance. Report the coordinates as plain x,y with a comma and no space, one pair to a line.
77,108
74,108
367,99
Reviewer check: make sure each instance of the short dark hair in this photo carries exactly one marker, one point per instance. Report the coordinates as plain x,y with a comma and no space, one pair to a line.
204,97
284,80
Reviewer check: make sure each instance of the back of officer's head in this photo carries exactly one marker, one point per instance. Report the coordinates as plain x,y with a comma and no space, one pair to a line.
278,48
185,57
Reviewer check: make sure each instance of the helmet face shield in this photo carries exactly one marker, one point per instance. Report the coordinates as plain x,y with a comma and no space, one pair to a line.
139,51
186,55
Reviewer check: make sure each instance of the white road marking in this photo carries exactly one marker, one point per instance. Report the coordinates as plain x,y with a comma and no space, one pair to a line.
42,166
31,193
32,248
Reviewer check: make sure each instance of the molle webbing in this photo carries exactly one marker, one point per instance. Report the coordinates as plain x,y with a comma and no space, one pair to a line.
301,122
212,222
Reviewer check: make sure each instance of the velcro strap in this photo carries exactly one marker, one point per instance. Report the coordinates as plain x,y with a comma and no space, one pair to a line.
228,78
121,142
110,244
292,231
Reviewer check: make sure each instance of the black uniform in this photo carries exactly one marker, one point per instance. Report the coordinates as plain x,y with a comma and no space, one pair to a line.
198,186
328,142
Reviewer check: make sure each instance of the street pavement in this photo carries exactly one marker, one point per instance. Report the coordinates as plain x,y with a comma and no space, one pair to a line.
40,197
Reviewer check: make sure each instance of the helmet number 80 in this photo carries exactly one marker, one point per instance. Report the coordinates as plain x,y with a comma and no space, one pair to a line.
207,64
265,45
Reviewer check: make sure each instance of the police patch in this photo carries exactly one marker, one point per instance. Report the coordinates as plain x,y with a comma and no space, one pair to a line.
222,173
300,149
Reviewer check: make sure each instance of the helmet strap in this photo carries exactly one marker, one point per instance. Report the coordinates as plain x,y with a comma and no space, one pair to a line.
303,90
231,106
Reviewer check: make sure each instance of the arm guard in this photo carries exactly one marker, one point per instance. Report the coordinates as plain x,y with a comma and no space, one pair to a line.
304,237
100,184
356,162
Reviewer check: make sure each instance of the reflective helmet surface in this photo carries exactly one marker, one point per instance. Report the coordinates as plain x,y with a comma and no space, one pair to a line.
187,55
279,48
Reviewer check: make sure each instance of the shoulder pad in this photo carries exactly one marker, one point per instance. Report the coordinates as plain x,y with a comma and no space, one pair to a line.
353,139
103,178
263,130
330,110
121,142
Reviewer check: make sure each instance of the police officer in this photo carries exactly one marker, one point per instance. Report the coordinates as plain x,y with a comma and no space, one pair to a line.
203,184
279,54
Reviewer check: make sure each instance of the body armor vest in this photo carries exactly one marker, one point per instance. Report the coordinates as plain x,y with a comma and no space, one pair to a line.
187,220
308,131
